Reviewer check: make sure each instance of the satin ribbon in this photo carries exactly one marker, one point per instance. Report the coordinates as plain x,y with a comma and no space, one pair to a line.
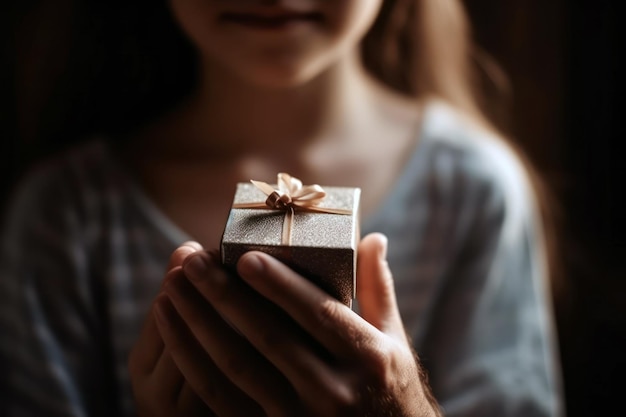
291,196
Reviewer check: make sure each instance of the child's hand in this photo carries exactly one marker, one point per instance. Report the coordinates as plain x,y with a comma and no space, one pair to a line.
158,386
297,350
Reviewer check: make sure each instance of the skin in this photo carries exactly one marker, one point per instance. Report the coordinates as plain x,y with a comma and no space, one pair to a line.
158,385
263,340
324,126
269,343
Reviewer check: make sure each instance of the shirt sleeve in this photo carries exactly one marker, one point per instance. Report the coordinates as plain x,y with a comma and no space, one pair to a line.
52,353
491,349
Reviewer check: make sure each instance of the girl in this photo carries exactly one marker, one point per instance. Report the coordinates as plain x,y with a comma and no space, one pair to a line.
366,93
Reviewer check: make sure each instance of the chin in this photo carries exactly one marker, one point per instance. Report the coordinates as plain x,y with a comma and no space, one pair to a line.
280,73
278,78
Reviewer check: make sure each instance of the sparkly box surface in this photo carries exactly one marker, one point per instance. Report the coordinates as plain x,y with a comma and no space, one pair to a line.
322,246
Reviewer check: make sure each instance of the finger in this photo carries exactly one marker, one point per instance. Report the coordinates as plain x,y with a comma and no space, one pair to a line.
166,379
231,353
330,322
149,346
180,253
293,352
375,289
199,371
148,364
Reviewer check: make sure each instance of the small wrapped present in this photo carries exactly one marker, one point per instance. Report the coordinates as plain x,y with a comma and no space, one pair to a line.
313,230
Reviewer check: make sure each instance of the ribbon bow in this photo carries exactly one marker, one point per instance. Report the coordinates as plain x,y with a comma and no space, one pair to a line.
290,196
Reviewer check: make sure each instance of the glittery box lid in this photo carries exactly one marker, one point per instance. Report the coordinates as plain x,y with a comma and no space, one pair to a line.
323,245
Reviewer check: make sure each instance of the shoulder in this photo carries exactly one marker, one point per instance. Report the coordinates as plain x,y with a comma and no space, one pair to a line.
475,165
64,184
82,162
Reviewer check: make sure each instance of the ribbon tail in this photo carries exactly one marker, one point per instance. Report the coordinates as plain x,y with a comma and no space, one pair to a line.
326,210
288,226
250,206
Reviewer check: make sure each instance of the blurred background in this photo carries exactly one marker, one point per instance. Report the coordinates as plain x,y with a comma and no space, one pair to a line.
560,106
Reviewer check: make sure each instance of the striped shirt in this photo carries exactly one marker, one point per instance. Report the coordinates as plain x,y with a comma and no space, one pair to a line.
84,250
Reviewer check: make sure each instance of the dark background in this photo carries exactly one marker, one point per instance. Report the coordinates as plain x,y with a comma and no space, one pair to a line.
561,59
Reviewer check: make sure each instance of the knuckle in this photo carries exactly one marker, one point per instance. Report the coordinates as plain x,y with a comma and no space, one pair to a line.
343,401
328,313
380,371
379,360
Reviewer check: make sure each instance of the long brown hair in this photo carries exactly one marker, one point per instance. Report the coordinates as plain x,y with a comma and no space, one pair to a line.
424,49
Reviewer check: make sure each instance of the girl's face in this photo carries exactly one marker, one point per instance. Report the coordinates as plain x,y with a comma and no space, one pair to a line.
275,43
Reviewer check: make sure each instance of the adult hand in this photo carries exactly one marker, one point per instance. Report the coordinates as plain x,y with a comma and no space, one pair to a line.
158,386
290,347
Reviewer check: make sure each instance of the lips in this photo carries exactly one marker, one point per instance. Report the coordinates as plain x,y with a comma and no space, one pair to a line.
271,20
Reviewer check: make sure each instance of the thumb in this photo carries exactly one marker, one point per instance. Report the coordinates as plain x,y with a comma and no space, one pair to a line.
375,291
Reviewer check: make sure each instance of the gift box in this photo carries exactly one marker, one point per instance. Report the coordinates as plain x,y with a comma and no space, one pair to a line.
313,230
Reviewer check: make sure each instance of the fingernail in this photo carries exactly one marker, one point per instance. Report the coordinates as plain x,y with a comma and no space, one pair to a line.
197,265
193,244
250,265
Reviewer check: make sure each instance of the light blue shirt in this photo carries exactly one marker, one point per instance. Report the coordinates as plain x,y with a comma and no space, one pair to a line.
83,253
